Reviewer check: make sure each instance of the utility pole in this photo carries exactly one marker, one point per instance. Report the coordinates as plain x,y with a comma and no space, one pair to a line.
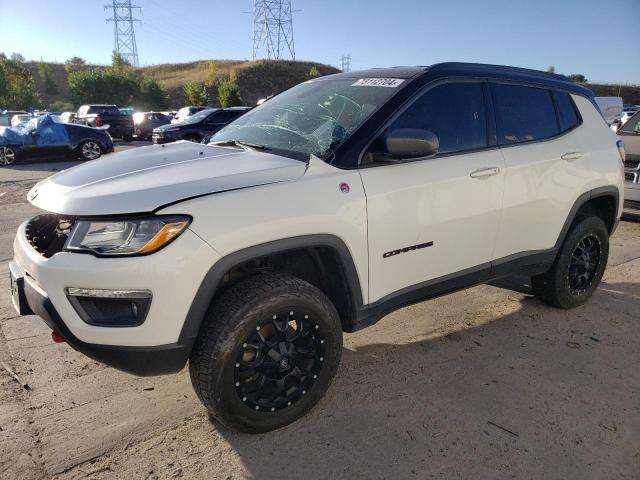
273,29
124,36
345,63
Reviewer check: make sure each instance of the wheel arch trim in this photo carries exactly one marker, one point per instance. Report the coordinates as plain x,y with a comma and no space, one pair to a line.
211,281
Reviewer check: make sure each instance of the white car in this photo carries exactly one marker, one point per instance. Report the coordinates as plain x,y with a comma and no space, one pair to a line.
20,119
321,211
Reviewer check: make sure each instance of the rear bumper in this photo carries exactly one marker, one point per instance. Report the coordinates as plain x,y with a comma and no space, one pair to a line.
141,361
631,206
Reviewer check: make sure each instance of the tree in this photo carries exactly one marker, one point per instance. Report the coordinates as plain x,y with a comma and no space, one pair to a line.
153,96
50,87
577,77
212,74
17,88
229,94
74,63
17,57
195,94
61,106
233,75
313,73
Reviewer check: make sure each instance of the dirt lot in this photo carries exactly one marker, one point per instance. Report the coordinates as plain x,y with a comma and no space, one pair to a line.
486,384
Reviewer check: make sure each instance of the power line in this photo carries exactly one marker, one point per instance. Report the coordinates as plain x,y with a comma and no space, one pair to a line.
345,63
124,36
273,29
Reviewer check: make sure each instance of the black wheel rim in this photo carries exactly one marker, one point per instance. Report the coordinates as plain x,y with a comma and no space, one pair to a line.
280,361
583,267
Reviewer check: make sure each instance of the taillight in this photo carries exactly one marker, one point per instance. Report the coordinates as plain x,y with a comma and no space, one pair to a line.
621,151
98,121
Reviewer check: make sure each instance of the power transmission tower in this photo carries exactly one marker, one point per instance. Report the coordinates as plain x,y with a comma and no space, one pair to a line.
273,29
124,36
345,63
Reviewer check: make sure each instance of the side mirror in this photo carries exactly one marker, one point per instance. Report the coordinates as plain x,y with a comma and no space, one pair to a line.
405,143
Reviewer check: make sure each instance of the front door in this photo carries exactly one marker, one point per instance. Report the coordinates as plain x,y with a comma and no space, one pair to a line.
435,218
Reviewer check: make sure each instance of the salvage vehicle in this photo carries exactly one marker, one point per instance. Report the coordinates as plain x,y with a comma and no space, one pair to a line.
145,122
196,127
6,116
119,125
629,133
319,212
47,137
20,119
186,112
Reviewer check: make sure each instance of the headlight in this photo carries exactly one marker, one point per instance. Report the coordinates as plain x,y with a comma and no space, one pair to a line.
126,236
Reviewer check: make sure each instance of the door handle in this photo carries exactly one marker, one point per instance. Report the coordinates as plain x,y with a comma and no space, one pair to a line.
485,172
571,156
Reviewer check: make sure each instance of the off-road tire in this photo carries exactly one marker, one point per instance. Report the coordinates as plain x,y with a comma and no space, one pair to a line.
235,315
553,286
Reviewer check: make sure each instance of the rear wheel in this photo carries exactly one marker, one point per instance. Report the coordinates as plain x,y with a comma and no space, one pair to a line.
7,156
267,353
578,268
90,150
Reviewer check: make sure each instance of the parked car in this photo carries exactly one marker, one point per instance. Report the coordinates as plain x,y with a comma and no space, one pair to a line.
627,114
197,126
611,108
20,119
47,137
331,205
629,133
186,112
145,122
7,115
120,124
68,117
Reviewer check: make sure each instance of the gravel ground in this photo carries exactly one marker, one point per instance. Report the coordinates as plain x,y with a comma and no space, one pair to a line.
487,383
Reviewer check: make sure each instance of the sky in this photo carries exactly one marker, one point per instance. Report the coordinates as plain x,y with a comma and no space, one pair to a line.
598,38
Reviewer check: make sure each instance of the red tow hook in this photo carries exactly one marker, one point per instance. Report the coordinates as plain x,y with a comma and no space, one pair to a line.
56,337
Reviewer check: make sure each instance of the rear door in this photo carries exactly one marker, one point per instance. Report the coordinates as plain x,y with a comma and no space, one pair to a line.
543,151
435,218
629,133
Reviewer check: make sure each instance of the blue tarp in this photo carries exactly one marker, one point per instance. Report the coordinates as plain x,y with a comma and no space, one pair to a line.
43,130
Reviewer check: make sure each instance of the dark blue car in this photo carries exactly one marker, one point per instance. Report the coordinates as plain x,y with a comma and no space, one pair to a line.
46,137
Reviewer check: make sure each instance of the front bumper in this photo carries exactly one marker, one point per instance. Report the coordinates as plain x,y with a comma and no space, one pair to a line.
159,138
631,206
152,348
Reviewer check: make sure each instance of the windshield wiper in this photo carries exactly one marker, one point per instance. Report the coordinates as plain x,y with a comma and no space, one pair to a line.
239,143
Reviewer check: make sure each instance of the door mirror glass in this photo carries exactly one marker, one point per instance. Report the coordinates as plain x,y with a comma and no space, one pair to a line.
406,143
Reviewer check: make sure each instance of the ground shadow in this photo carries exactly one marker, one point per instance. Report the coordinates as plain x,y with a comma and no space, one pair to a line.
536,393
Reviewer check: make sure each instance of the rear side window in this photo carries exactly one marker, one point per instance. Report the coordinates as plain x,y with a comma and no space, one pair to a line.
523,114
455,112
567,113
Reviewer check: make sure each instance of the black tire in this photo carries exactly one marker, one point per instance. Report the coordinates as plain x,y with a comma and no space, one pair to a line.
227,336
89,150
575,275
8,156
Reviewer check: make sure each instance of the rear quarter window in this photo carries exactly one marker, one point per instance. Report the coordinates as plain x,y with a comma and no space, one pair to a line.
523,114
567,111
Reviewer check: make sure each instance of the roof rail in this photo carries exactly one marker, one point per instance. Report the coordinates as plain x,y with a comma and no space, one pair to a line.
498,68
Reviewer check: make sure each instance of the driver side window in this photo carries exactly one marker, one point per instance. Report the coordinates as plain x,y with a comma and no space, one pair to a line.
454,112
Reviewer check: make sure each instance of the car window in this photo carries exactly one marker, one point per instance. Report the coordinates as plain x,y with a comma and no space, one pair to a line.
632,125
455,112
523,113
223,117
567,113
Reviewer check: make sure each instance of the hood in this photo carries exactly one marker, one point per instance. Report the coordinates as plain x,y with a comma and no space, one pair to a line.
145,178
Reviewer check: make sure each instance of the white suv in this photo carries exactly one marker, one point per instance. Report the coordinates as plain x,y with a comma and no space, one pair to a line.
320,211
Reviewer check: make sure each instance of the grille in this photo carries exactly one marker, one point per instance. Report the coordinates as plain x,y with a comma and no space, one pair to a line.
48,233
632,163
632,204
630,176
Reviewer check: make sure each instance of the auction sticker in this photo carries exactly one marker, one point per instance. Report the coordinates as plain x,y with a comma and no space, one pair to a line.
378,82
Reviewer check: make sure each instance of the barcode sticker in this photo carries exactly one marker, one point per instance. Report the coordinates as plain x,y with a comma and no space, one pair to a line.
378,82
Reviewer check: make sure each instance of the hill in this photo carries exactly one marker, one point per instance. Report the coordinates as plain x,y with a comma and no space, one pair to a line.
256,79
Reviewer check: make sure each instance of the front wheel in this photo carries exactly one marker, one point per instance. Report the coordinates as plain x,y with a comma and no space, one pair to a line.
578,268
7,156
267,352
90,150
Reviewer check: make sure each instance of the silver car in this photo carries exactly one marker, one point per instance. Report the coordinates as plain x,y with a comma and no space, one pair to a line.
630,135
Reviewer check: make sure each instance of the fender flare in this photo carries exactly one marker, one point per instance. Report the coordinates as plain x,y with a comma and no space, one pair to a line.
212,279
583,199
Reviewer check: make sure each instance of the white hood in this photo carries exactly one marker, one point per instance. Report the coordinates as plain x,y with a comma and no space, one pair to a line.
142,179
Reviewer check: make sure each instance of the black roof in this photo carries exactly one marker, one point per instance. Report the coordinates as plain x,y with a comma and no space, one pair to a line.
471,70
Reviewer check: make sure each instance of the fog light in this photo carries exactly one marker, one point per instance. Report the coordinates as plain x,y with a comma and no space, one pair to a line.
110,308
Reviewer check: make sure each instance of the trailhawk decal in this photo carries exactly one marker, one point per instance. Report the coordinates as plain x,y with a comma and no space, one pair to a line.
378,82
407,249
